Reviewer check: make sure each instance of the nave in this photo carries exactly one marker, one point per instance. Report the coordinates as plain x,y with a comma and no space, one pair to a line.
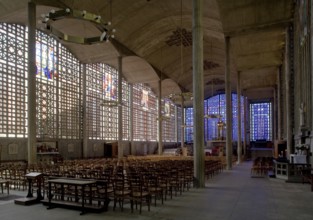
230,195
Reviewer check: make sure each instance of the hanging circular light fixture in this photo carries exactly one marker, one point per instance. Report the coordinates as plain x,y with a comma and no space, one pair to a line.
52,16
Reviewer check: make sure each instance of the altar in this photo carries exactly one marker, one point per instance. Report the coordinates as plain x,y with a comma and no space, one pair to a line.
217,147
294,158
261,152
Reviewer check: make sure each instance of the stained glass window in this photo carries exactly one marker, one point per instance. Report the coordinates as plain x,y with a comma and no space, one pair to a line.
188,124
59,97
212,109
126,110
215,111
101,106
261,121
144,113
46,85
13,84
69,95
168,122
179,123
235,116
59,93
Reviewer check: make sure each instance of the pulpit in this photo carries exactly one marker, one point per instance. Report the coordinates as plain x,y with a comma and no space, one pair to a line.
30,199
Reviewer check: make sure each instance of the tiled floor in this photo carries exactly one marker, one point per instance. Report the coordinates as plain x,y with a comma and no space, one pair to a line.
230,195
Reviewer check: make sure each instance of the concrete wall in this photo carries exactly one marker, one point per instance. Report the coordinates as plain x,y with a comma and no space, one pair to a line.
13,149
16,149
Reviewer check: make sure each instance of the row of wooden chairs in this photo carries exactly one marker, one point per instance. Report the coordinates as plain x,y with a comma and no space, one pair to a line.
15,174
143,179
261,166
137,183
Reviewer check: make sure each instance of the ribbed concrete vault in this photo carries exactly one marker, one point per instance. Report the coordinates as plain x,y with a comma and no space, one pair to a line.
150,31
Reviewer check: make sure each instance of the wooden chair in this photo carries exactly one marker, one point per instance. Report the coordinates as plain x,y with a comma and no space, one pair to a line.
154,187
139,192
121,190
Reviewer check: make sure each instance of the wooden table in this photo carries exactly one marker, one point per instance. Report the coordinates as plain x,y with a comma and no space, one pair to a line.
70,182
4,182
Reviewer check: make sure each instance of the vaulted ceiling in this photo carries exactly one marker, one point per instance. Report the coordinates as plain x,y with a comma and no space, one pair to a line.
149,33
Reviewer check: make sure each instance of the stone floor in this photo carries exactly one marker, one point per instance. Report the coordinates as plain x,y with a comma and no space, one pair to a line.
230,195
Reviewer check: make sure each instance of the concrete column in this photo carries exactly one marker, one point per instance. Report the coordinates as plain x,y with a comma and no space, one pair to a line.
131,120
31,89
245,126
176,123
229,108
279,110
288,96
274,117
308,91
311,70
85,132
183,147
239,146
182,127
311,81
160,138
198,97
310,66
119,110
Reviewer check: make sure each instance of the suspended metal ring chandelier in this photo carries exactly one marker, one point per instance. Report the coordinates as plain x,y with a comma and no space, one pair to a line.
103,27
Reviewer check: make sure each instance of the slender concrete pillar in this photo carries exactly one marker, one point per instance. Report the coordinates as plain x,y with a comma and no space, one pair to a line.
310,66
176,123
160,138
239,146
85,132
288,96
197,63
182,127
131,120
274,117
245,126
119,110
307,85
31,143
279,110
229,108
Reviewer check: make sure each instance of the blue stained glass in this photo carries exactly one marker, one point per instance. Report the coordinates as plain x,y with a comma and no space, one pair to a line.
189,124
47,72
260,121
215,109
46,61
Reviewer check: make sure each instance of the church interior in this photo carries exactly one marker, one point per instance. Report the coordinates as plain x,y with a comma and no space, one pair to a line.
128,105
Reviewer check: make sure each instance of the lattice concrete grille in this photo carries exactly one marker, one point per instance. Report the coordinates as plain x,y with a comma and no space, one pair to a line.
180,36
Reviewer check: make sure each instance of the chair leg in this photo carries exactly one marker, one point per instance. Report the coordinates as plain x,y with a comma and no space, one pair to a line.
114,204
121,202
132,205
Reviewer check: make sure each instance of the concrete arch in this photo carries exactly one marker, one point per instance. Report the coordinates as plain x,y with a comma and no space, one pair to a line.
169,87
137,70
